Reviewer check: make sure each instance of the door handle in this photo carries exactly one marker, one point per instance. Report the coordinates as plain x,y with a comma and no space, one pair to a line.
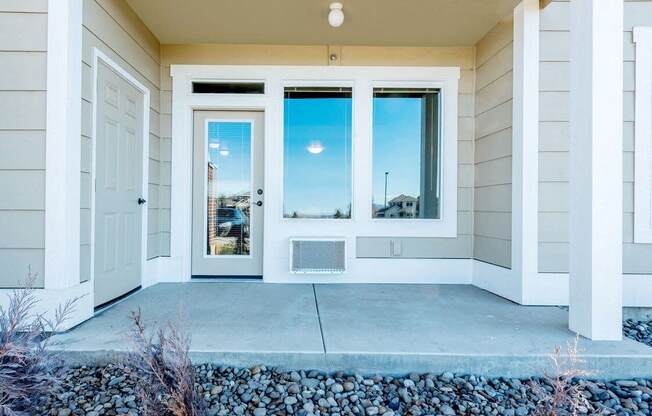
141,201
259,203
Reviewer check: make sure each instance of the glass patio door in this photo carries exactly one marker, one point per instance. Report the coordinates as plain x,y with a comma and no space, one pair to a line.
227,194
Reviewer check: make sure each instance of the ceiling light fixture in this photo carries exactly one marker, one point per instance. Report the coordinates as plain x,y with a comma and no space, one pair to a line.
224,152
315,148
336,15
214,145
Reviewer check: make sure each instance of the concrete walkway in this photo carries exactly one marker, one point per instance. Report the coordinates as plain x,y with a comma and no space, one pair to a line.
366,328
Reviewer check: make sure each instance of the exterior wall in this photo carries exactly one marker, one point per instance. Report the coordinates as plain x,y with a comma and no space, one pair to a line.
555,136
376,247
112,27
22,139
493,146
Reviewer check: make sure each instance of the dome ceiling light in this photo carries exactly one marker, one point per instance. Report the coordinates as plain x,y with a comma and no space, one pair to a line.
315,148
336,15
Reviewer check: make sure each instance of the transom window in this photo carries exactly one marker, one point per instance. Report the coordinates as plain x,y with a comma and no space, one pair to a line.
406,154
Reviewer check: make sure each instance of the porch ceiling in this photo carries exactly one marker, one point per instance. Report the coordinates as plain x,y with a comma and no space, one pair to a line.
367,22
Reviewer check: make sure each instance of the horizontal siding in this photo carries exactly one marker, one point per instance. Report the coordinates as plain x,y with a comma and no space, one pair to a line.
554,138
22,110
113,27
24,6
492,217
23,69
22,149
14,35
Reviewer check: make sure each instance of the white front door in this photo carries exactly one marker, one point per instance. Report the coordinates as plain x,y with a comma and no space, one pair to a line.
227,223
118,186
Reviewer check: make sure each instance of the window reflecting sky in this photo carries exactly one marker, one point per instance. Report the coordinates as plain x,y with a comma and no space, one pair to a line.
317,157
229,149
396,147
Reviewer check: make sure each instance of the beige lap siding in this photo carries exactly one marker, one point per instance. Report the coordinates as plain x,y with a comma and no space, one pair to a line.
112,27
23,46
493,146
554,138
459,247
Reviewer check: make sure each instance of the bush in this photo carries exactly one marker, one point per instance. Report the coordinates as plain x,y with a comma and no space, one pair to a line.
560,391
27,369
162,358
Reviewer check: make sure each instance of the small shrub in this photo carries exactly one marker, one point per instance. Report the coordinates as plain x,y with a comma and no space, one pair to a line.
560,392
28,370
168,386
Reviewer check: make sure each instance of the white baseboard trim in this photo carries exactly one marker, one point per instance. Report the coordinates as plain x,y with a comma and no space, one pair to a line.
496,279
637,289
386,270
50,299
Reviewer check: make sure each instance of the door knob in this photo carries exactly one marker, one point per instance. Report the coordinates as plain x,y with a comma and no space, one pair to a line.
141,201
259,203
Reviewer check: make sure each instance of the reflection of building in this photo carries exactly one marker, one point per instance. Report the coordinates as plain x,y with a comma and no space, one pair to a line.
211,213
403,206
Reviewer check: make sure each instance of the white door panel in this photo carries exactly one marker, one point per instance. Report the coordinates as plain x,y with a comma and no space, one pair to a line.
119,177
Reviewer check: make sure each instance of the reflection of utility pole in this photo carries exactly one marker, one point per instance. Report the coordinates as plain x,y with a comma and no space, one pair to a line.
386,175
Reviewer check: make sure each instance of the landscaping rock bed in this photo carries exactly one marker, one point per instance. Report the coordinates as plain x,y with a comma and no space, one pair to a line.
640,331
261,391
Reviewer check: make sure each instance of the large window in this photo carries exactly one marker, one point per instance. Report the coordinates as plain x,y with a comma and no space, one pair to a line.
317,153
406,154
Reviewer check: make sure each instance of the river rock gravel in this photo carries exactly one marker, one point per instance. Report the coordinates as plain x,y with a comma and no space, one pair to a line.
261,391
640,331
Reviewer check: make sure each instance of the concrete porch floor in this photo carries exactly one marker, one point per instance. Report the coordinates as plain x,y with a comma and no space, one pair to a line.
366,328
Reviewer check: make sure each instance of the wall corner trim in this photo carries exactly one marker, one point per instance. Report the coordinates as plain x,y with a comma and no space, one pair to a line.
525,145
63,145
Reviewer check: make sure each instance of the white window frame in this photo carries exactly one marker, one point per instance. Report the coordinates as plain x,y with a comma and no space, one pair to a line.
279,230
643,137
440,144
320,84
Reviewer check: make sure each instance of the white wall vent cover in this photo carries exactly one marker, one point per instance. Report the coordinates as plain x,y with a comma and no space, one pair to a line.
318,256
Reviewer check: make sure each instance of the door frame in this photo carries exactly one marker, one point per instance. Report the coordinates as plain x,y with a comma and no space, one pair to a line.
184,104
99,56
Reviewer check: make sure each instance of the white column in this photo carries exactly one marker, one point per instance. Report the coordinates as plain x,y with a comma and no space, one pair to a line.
63,144
596,173
525,146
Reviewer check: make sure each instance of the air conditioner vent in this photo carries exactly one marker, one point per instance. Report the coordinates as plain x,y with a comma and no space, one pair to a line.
317,256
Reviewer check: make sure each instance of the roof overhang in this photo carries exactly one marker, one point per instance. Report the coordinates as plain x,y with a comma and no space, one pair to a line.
304,22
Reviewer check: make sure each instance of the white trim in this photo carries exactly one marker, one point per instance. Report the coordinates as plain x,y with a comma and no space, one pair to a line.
63,145
596,169
551,289
275,78
525,147
643,136
98,56
48,300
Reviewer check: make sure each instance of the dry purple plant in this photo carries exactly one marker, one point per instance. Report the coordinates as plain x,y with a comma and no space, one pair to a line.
560,391
28,370
168,386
